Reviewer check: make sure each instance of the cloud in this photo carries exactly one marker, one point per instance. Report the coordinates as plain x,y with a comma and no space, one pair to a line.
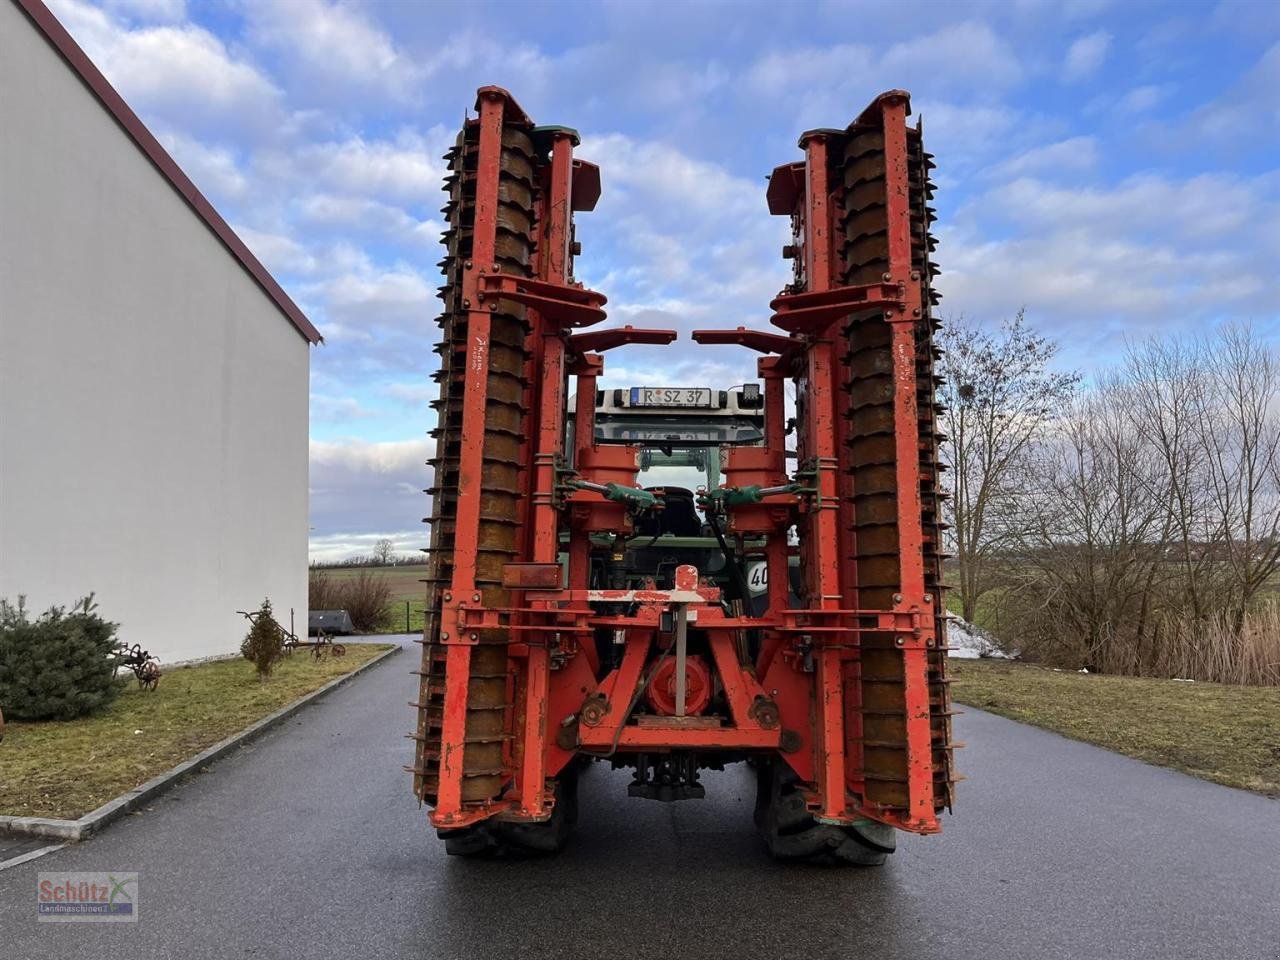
183,75
413,394
1200,207
645,169
688,240
814,86
1246,19
1141,99
407,169
376,297
1078,277
962,54
279,253
379,319
1085,56
809,67
358,486
333,51
328,409
1149,254
213,169
1084,9
357,457
166,11
513,63
1247,115
1074,155
360,215
965,136
318,127
349,546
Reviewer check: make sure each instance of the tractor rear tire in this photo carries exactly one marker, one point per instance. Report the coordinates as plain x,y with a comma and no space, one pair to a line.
499,839
791,832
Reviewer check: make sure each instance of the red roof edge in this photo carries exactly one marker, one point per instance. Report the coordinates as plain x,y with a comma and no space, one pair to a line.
57,35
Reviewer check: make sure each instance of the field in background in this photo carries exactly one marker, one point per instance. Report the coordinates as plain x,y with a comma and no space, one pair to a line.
405,583
1224,733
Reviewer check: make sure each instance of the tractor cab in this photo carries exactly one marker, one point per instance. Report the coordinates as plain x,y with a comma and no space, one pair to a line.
680,430
682,435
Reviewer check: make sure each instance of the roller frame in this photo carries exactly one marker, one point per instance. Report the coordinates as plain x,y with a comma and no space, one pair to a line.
803,700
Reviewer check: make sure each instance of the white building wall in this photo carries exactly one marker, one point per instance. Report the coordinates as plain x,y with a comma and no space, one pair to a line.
153,399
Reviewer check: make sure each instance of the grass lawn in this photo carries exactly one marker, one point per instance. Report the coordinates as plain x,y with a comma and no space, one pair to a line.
399,622
67,768
1228,734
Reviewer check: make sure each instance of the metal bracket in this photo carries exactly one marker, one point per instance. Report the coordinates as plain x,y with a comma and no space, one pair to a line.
455,628
919,637
811,312
757,340
599,340
571,306
811,468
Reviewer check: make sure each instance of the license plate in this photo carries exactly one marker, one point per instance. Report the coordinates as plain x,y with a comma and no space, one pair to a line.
671,396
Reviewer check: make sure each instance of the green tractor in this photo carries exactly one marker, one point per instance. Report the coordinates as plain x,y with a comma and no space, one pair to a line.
678,505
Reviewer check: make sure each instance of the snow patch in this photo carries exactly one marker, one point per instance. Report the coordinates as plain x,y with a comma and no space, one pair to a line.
967,642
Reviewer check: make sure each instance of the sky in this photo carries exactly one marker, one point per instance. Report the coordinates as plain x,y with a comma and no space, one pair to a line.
1114,167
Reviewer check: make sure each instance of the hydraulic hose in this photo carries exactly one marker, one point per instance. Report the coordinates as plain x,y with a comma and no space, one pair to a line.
739,577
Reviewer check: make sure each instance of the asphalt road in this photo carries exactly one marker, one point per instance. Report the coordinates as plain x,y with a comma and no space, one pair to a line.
309,844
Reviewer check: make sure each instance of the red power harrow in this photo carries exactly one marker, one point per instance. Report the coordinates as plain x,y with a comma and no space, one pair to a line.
834,690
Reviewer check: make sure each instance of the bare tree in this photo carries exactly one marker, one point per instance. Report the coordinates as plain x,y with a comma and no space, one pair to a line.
1167,384
1084,564
384,552
1239,437
1150,519
1000,393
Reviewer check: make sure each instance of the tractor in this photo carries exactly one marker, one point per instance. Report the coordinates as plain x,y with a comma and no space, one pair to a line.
675,578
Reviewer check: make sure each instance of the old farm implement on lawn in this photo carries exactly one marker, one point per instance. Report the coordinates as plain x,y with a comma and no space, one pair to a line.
322,645
145,667
788,616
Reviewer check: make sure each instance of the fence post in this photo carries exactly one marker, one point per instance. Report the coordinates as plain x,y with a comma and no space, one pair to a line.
406,616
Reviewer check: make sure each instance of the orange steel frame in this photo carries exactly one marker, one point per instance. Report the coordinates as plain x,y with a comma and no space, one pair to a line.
799,699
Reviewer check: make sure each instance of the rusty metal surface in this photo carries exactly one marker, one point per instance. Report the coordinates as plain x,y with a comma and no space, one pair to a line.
508,299
848,690
862,281
493,542
759,340
892,452
145,667
532,576
619,336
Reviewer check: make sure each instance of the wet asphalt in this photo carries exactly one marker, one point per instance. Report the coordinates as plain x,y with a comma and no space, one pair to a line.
308,843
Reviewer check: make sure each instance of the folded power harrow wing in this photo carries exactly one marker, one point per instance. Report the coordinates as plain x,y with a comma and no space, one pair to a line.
543,648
